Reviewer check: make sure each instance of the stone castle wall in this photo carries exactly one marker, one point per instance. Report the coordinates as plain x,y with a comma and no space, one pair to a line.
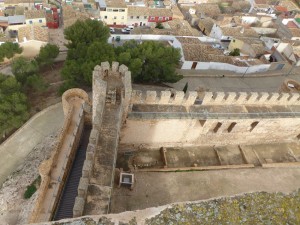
100,89
189,131
39,213
164,98
250,98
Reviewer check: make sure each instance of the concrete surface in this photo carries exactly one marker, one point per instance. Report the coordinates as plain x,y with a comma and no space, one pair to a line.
18,146
157,188
255,84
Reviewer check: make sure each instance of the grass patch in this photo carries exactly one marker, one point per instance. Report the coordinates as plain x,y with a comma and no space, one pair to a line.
31,189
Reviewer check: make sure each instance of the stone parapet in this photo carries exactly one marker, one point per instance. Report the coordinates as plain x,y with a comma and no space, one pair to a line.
250,98
163,98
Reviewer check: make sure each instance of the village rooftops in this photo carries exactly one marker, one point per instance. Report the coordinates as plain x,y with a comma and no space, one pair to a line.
290,5
239,32
209,9
295,32
260,2
160,12
138,11
280,8
20,19
33,14
115,3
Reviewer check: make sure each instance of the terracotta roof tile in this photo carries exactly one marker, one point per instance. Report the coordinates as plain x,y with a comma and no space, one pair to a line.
33,14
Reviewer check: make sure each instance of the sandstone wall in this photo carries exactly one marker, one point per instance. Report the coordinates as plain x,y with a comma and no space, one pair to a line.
71,93
45,169
163,98
250,98
189,132
62,157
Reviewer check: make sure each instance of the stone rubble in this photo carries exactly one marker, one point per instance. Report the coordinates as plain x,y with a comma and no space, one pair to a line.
14,209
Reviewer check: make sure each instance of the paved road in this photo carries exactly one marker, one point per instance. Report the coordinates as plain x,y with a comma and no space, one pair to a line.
17,147
255,84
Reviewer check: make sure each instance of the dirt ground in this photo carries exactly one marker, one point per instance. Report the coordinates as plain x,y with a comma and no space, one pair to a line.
41,100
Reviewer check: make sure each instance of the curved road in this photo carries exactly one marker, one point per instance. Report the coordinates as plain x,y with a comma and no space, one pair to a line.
20,144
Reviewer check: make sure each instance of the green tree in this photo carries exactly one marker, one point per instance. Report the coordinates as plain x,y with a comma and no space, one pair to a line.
9,49
26,72
159,26
47,55
235,52
14,106
23,68
87,47
150,61
86,32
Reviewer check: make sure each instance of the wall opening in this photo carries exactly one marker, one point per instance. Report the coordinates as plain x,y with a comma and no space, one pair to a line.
194,65
231,126
202,122
217,127
253,125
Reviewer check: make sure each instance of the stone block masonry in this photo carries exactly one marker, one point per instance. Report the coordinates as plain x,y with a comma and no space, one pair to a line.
164,98
250,98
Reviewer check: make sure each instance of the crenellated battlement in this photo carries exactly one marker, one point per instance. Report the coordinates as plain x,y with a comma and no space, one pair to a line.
250,98
163,97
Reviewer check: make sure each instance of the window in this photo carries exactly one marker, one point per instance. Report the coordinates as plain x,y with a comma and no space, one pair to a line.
145,17
137,17
115,17
105,17
122,17
121,10
109,10
167,18
30,21
253,125
160,18
215,130
152,18
115,10
131,17
40,21
232,125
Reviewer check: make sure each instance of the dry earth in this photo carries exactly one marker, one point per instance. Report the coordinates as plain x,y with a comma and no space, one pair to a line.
14,209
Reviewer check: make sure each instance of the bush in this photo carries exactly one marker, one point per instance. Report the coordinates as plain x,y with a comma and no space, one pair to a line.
159,26
31,189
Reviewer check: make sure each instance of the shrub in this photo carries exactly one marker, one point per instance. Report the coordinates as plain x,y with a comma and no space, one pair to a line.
31,189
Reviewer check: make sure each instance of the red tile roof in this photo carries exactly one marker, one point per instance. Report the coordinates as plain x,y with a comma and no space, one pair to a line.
291,24
281,8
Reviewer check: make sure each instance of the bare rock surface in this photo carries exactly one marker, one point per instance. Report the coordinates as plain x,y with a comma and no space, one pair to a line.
14,209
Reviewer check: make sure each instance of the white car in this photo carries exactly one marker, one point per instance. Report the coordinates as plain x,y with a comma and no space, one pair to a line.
130,27
112,30
125,31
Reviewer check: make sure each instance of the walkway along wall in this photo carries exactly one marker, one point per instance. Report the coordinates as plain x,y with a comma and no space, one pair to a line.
55,170
108,115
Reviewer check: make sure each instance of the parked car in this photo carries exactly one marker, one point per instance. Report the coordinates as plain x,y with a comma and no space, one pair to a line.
125,31
130,27
112,30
